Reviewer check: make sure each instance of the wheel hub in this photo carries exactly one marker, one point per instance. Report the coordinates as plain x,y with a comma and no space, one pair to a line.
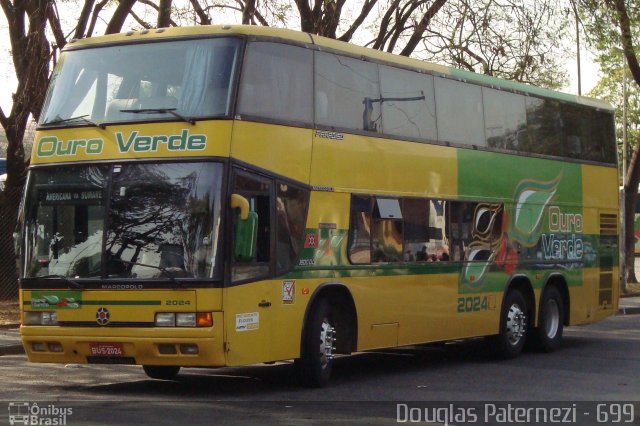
327,340
516,324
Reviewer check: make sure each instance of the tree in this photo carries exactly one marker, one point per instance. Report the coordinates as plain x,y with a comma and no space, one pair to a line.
615,24
613,68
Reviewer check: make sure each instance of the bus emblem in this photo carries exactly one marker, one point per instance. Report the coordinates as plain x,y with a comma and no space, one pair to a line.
102,316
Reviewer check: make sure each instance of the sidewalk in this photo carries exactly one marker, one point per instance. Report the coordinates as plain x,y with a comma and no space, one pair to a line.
10,342
629,305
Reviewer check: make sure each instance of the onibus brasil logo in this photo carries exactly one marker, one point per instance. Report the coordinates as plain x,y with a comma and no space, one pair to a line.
32,413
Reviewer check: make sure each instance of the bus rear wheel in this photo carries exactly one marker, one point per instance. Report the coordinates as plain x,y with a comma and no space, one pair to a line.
316,361
548,334
513,325
161,372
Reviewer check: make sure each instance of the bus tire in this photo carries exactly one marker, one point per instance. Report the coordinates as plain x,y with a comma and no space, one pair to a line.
548,334
316,360
161,372
513,325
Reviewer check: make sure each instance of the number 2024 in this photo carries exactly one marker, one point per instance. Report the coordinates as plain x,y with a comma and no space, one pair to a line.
473,304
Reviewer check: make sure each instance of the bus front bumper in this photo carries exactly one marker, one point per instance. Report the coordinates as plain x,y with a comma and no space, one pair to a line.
188,347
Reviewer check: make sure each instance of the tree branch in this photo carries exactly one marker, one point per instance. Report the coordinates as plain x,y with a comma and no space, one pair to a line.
204,18
4,121
422,26
94,18
625,34
54,22
83,19
140,21
384,25
366,9
119,16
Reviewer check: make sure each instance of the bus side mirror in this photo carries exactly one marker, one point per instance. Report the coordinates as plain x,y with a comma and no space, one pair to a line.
245,231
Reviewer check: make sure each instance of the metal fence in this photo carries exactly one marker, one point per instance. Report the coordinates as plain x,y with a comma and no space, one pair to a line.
8,269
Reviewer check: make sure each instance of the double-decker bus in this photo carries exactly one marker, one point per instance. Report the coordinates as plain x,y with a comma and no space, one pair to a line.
228,195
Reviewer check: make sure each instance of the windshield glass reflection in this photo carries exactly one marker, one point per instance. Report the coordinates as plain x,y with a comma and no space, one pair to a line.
162,221
162,216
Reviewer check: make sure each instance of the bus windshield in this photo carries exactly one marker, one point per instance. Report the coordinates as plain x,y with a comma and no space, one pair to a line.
151,220
143,82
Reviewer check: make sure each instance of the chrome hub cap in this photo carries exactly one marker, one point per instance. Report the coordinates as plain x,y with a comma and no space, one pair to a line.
327,340
516,324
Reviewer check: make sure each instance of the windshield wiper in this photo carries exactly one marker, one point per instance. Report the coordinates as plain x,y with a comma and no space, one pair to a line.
73,285
82,118
171,111
166,273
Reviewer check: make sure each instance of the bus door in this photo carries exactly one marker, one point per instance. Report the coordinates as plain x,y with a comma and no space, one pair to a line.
247,301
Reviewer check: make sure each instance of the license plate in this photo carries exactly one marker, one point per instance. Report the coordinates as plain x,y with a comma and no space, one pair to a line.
106,349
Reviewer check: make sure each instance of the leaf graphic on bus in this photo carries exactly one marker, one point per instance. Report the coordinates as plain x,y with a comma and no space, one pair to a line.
478,260
52,300
530,203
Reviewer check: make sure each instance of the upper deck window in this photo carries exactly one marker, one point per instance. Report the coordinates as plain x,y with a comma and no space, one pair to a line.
143,82
277,83
347,93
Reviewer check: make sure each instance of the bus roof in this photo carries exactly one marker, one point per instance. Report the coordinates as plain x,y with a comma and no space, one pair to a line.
324,43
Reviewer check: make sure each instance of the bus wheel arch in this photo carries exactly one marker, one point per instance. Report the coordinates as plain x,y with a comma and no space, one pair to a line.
346,315
329,326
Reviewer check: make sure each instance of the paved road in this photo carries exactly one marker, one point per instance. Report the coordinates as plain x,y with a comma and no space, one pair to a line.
597,362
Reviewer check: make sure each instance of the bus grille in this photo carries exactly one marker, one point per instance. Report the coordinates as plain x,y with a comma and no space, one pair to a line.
608,248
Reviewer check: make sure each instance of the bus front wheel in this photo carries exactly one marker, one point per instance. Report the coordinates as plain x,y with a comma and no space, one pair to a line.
513,325
161,372
316,361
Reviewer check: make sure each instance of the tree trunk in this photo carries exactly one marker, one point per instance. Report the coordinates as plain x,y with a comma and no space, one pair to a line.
119,16
630,199
164,14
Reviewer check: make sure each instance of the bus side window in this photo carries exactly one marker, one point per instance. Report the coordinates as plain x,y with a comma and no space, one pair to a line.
461,226
387,231
416,229
258,191
291,206
277,83
360,230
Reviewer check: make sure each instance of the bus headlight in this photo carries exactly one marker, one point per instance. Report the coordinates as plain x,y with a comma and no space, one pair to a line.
184,319
165,319
40,318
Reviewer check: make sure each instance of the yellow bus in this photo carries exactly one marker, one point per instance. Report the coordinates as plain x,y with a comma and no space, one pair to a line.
229,195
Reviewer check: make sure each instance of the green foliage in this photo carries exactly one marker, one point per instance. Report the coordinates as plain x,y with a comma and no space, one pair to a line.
603,33
610,88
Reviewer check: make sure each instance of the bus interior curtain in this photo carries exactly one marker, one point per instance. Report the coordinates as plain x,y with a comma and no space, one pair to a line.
196,80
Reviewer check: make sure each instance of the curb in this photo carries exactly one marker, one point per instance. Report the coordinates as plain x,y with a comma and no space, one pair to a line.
629,311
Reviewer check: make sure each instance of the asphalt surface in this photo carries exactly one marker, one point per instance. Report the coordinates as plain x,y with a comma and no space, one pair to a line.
594,374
